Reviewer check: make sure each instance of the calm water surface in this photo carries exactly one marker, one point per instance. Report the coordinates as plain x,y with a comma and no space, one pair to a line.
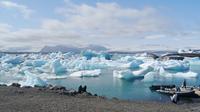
107,85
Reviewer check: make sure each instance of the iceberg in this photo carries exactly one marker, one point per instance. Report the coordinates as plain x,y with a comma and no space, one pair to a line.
142,71
151,76
176,65
58,68
38,63
35,63
188,74
194,64
134,64
14,60
89,54
32,80
182,74
48,76
84,64
107,56
126,74
127,59
86,73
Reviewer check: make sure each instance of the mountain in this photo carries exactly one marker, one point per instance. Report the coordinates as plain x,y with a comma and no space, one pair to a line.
67,48
96,48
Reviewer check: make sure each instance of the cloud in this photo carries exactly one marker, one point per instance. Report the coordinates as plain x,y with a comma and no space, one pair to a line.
157,36
4,28
102,23
21,8
110,20
107,24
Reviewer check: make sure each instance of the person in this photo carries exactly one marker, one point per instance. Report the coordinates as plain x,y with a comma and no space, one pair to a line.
184,84
174,98
80,88
178,89
84,89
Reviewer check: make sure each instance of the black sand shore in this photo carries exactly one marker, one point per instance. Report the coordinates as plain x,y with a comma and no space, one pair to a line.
14,99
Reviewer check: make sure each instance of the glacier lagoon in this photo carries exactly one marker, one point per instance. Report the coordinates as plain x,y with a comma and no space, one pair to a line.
125,76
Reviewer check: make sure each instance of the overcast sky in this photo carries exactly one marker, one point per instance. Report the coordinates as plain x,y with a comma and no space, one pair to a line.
28,25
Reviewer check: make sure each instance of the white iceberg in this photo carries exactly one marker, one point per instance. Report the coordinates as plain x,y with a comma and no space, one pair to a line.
176,65
32,80
188,74
126,74
194,64
127,58
132,65
142,71
89,54
58,68
14,60
86,73
84,64
150,77
35,63
38,63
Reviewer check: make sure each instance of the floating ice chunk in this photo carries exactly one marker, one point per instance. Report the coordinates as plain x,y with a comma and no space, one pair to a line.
89,54
1,55
149,77
84,64
15,60
86,73
107,56
58,68
127,58
182,74
39,63
142,71
126,74
6,66
194,64
132,65
35,63
176,65
48,76
32,80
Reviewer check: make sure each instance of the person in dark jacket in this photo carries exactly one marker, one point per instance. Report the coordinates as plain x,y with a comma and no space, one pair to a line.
184,84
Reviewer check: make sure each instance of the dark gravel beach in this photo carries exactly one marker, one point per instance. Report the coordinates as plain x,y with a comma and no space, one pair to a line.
14,99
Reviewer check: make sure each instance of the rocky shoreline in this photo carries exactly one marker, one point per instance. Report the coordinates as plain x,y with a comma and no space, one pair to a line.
59,99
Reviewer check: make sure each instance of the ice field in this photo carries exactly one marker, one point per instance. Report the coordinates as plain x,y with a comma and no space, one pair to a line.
125,76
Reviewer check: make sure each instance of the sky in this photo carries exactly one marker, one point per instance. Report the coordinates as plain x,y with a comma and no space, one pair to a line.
129,25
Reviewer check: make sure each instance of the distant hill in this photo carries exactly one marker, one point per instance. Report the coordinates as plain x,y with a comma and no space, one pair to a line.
96,48
66,48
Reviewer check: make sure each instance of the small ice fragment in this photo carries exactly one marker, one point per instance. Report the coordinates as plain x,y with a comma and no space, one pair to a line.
86,73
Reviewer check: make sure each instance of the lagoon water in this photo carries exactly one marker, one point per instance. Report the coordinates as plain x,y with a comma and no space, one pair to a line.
107,85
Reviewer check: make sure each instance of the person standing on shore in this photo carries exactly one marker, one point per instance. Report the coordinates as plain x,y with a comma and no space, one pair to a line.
184,84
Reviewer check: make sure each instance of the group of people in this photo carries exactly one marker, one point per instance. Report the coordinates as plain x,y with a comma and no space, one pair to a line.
82,89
